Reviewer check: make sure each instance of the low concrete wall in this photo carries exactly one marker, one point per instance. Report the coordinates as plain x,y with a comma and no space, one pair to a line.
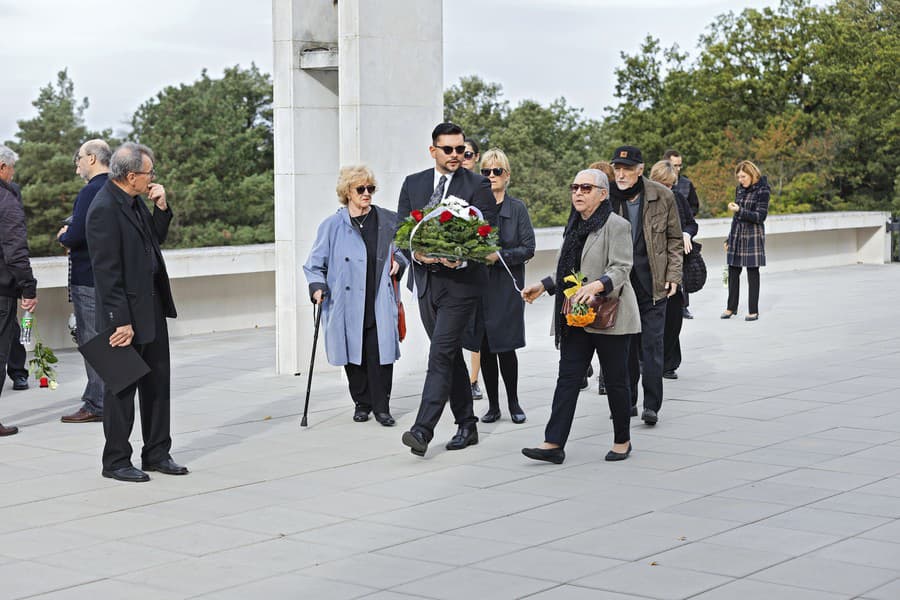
233,287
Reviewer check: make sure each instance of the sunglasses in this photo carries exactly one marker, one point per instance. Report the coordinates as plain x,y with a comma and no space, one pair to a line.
584,187
498,171
448,150
365,188
468,155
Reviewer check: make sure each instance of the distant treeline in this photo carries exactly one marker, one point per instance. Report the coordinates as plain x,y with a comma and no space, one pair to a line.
808,93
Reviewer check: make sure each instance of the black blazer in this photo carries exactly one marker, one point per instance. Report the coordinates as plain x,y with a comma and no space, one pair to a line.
474,189
123,270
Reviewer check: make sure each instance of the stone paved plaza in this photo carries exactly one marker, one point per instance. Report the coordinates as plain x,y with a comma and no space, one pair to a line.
774,473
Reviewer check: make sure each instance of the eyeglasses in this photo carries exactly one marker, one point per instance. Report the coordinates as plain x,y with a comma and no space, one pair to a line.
151,173
584,187
448,150
468,155
77,158
497,171
365,188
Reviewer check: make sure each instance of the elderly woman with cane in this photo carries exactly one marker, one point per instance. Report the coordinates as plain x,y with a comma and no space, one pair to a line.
596,246
350,270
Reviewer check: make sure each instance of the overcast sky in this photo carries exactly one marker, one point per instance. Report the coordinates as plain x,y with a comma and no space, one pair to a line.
121,53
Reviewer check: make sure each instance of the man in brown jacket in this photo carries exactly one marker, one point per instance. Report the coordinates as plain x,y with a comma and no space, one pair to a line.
656,273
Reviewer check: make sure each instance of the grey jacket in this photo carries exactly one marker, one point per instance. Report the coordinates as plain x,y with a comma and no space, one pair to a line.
609,252
16,278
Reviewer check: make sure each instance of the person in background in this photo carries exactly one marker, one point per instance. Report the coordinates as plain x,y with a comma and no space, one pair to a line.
597,243
16,277
746,243
499,322
686,188
664,173
92,165
349,272
15,364
471,161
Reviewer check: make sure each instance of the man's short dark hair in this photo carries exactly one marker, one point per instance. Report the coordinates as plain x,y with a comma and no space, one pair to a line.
670,153
446,129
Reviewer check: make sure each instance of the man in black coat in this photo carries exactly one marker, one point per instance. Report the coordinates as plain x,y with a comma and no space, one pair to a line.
16,278
685,187
448,291
133,300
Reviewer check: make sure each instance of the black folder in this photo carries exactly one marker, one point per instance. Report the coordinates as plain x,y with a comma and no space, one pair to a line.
118,366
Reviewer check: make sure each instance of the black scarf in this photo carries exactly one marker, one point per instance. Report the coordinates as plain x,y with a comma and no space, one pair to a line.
619,197
575,236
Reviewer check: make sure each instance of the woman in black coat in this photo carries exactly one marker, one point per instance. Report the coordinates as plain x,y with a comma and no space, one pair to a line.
498,328
664,173
746,244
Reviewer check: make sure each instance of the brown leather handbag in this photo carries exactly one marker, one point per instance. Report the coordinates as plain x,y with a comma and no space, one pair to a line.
401,312
605,310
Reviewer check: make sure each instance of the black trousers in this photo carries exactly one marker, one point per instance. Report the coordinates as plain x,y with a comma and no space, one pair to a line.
15,362
445,317
645,356
508,368
576,349
370,382
8,330
734,288
154,394
671,342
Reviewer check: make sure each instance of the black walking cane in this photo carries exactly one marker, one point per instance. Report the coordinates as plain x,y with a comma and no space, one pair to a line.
312,360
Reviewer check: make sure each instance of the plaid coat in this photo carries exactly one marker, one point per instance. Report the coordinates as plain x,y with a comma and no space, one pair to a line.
747,239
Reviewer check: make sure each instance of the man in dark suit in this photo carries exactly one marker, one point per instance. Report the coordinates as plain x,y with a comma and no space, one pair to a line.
133,300
447,290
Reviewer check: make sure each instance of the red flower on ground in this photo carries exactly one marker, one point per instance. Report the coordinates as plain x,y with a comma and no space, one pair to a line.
417,215
484,230
445,216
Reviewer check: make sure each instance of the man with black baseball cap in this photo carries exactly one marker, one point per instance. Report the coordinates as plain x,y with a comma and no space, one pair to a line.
656,273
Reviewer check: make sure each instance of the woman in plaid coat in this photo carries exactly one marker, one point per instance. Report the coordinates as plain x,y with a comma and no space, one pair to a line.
746,244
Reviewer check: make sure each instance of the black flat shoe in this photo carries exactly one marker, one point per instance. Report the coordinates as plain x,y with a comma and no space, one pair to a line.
613,456
670,374
517,417
727,315
649,416
361,415
465,436
385,419
752,317
551,455
490,416
129,474
416,442
168,467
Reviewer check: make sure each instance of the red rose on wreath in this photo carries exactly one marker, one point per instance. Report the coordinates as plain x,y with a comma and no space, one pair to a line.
445,216
472,212
484,230
417,215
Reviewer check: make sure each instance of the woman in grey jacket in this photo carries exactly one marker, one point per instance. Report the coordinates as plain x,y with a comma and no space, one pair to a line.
349,272
597,243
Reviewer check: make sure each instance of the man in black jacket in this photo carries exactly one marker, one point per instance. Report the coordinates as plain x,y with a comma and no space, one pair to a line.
133,299
448,291
686,188
16,278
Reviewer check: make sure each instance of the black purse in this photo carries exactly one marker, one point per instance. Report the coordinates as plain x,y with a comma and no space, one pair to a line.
693,272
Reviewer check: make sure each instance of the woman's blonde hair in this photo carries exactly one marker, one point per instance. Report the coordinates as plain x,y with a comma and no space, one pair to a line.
496,156
352,175
663,172
745,166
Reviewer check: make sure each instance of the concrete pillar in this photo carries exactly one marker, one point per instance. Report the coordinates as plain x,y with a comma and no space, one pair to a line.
355,81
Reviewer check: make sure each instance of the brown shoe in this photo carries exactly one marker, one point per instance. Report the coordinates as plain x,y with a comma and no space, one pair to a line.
4,430
81,416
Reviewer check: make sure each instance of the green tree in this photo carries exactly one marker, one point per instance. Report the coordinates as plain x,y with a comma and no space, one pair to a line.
46,145
214,149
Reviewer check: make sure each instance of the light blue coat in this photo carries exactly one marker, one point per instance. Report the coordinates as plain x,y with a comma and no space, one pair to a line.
337,263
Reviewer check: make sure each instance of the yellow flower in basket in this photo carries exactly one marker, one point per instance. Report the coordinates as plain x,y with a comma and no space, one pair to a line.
580,315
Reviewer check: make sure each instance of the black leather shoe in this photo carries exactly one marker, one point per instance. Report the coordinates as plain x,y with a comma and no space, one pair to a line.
361,414
601,390
385,419
416,442
465,436
752,317
126,474
670,374
612,456
476,392
727,315
20,383
552,455
649,416
517,415
168,467
685,313
491,416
